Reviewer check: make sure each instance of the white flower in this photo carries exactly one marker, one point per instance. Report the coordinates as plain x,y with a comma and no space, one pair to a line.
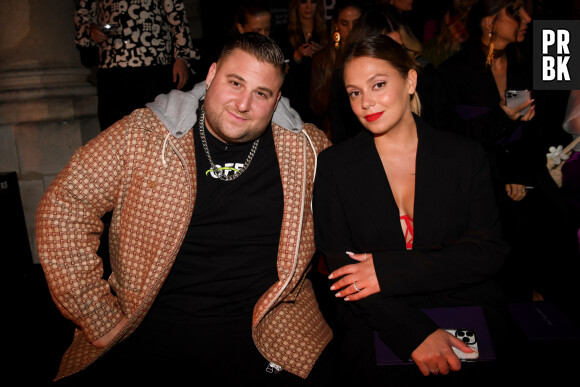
556,154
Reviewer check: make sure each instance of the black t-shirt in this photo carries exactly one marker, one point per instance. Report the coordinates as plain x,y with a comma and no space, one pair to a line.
228,258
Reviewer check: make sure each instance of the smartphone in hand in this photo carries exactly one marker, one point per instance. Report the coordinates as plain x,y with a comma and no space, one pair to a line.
468,337
514,98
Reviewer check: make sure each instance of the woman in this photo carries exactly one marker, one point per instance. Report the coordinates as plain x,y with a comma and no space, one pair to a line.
413,44
469,98
344,16
372,192
306,28
381,19
452,32
305,34
253,16
471,85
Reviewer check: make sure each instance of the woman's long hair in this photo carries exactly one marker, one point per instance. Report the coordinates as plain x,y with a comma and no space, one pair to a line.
331,55
384,48
380,19
485,8
295,34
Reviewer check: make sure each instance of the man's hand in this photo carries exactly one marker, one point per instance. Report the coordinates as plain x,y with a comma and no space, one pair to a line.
180,73
104,341
97,34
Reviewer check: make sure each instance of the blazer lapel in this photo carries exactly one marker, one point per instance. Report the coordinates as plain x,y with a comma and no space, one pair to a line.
427,185
370,182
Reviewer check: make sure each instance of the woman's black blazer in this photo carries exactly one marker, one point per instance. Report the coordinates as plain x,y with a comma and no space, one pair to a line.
457,247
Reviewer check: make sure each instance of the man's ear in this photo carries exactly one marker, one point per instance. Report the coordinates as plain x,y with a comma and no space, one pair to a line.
210,74
240,28
278,99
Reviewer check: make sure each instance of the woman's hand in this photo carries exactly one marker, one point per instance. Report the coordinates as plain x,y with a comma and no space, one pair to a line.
302,51
307,49
314,47
514,113
358,281
516,192
435,354
104,341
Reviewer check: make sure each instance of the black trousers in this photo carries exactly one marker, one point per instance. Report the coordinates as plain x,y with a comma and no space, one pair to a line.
122,90
190,353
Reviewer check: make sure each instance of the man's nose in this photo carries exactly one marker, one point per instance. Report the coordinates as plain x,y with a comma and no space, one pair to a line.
244,101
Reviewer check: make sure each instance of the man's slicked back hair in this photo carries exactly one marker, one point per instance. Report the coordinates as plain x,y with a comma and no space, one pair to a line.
260,46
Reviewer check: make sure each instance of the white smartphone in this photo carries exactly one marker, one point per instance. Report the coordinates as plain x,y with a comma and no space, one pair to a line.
514,98
468,337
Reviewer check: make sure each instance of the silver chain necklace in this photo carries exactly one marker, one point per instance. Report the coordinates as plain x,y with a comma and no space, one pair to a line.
220,174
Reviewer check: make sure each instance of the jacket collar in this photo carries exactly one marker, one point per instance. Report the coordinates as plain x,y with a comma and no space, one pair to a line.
373,187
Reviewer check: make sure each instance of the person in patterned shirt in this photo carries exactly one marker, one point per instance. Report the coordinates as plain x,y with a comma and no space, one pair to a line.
211,237
144,50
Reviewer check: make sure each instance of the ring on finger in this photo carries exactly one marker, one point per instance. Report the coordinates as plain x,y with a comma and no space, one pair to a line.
355,287
435,371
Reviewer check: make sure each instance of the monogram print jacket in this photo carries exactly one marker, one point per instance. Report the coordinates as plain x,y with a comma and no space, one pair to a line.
141,33
148,179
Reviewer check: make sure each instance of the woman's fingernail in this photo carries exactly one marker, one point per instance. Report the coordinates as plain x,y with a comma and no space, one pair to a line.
349,252
338,294
332,287
330,276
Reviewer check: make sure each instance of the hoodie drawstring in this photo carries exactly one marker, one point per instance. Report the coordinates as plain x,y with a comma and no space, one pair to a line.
164,146
315,161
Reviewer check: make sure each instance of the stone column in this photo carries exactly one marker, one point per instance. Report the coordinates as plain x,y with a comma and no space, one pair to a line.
47,106
48,102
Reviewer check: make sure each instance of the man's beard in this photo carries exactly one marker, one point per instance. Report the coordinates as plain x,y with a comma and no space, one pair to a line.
214,120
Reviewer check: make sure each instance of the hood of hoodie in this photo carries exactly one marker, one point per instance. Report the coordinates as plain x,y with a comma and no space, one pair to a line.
178,111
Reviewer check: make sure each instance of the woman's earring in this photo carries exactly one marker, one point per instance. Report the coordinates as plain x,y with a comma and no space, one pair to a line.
489,58
336,37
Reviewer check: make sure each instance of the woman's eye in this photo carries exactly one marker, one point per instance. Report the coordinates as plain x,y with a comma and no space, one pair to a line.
353,94
380,85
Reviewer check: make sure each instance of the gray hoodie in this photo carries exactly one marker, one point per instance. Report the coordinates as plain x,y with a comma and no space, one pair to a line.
177,110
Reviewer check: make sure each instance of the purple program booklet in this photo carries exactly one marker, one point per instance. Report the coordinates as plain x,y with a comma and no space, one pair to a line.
544,321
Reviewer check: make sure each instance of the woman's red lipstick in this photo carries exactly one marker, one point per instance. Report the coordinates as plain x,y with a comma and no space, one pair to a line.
373,117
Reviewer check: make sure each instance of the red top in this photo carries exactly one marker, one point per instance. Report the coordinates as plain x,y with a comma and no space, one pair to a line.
407,224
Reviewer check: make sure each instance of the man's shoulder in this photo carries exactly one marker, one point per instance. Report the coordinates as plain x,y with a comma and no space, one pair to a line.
140,122
316,134
146,119
311,131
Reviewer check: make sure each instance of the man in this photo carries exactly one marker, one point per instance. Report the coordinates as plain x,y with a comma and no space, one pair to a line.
144,50
211,235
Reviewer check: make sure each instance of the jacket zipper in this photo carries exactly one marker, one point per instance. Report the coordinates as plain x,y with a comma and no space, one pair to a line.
272,367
